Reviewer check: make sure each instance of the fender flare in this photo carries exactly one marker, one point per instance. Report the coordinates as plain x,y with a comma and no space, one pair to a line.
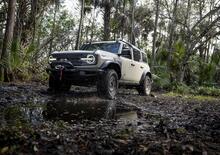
145,73
112,65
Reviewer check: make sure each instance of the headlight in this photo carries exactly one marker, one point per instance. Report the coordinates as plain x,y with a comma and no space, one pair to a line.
51,59
90,59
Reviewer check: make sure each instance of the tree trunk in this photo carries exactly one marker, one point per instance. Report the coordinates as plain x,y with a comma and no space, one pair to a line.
155,34
6,74
79,33
123,29
132,37
187,42
170,43
107,17
93,23
53,28
33,17
202,53
19,22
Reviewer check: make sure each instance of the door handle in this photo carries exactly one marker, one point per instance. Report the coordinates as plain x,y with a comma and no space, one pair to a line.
132,64
142,67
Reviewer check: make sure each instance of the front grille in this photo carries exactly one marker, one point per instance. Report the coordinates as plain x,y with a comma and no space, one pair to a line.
74,58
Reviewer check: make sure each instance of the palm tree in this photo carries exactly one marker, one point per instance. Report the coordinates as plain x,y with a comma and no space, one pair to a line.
107,5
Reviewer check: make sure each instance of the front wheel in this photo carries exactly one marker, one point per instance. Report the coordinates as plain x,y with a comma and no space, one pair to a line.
145,86
107,84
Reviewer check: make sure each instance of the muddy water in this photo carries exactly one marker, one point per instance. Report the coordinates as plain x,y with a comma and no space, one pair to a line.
66,109
78,122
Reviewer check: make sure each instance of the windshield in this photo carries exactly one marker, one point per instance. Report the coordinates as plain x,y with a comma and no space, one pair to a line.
109,47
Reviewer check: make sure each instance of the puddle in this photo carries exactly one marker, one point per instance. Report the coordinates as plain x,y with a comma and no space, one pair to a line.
68,110
87,110
21,115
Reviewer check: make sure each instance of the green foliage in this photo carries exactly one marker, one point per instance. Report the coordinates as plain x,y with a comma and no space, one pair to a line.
183,89
178,54
209,91
216,57
15,54
162,56
161,78
201,91
207,72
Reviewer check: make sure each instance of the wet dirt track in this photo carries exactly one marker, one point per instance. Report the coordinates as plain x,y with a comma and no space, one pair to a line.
34,121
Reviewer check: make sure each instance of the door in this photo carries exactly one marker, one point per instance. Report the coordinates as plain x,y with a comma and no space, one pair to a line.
126,59
137,68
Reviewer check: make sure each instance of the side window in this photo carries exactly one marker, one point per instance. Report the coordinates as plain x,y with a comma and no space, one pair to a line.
144,57
126,52
137,55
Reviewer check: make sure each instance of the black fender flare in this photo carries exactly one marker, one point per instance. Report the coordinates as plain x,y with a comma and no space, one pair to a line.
112,65
145,73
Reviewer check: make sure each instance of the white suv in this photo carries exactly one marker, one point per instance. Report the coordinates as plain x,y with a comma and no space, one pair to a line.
108,64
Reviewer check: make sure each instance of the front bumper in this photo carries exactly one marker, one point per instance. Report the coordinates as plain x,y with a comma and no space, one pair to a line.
77,76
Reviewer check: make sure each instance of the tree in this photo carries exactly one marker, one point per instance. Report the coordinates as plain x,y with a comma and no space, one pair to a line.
79,33
132,36
196,40
171,35
157,3
107,15
5,56
107,6
56,6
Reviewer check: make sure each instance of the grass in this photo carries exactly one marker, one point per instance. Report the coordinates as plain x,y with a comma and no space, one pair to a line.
192,96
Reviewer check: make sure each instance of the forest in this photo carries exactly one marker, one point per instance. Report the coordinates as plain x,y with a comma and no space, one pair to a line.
181,39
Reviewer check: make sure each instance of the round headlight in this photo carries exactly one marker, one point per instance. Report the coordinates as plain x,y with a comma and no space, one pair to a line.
90,59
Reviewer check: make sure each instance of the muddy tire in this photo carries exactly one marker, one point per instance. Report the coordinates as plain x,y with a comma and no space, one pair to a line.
58,85
107,84
145,87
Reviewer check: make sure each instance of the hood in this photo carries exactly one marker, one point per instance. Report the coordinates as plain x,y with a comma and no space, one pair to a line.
81,53
72,52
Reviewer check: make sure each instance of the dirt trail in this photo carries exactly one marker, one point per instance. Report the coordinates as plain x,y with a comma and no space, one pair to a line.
34,121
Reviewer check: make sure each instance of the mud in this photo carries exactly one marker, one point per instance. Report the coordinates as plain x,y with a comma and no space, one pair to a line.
35,121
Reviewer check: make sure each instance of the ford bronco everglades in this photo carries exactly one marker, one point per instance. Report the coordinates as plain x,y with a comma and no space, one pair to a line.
106,64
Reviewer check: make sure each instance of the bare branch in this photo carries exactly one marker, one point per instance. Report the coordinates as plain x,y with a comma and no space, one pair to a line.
205,41
204,17
205,32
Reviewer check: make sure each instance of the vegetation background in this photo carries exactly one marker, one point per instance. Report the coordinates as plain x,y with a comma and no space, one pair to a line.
180,37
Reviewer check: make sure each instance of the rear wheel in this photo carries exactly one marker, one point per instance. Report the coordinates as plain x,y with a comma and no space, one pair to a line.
58,85
145,86
107,84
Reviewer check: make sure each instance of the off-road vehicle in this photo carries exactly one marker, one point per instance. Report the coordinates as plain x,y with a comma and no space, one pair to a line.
106,64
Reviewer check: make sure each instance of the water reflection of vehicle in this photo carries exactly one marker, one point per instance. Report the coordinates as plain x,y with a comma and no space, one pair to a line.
69,111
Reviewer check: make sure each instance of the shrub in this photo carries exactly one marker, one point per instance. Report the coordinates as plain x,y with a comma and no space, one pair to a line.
210,91
182,89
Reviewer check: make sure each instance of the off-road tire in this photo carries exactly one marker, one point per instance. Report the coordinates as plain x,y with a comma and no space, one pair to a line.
145,86
107,84
56,84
